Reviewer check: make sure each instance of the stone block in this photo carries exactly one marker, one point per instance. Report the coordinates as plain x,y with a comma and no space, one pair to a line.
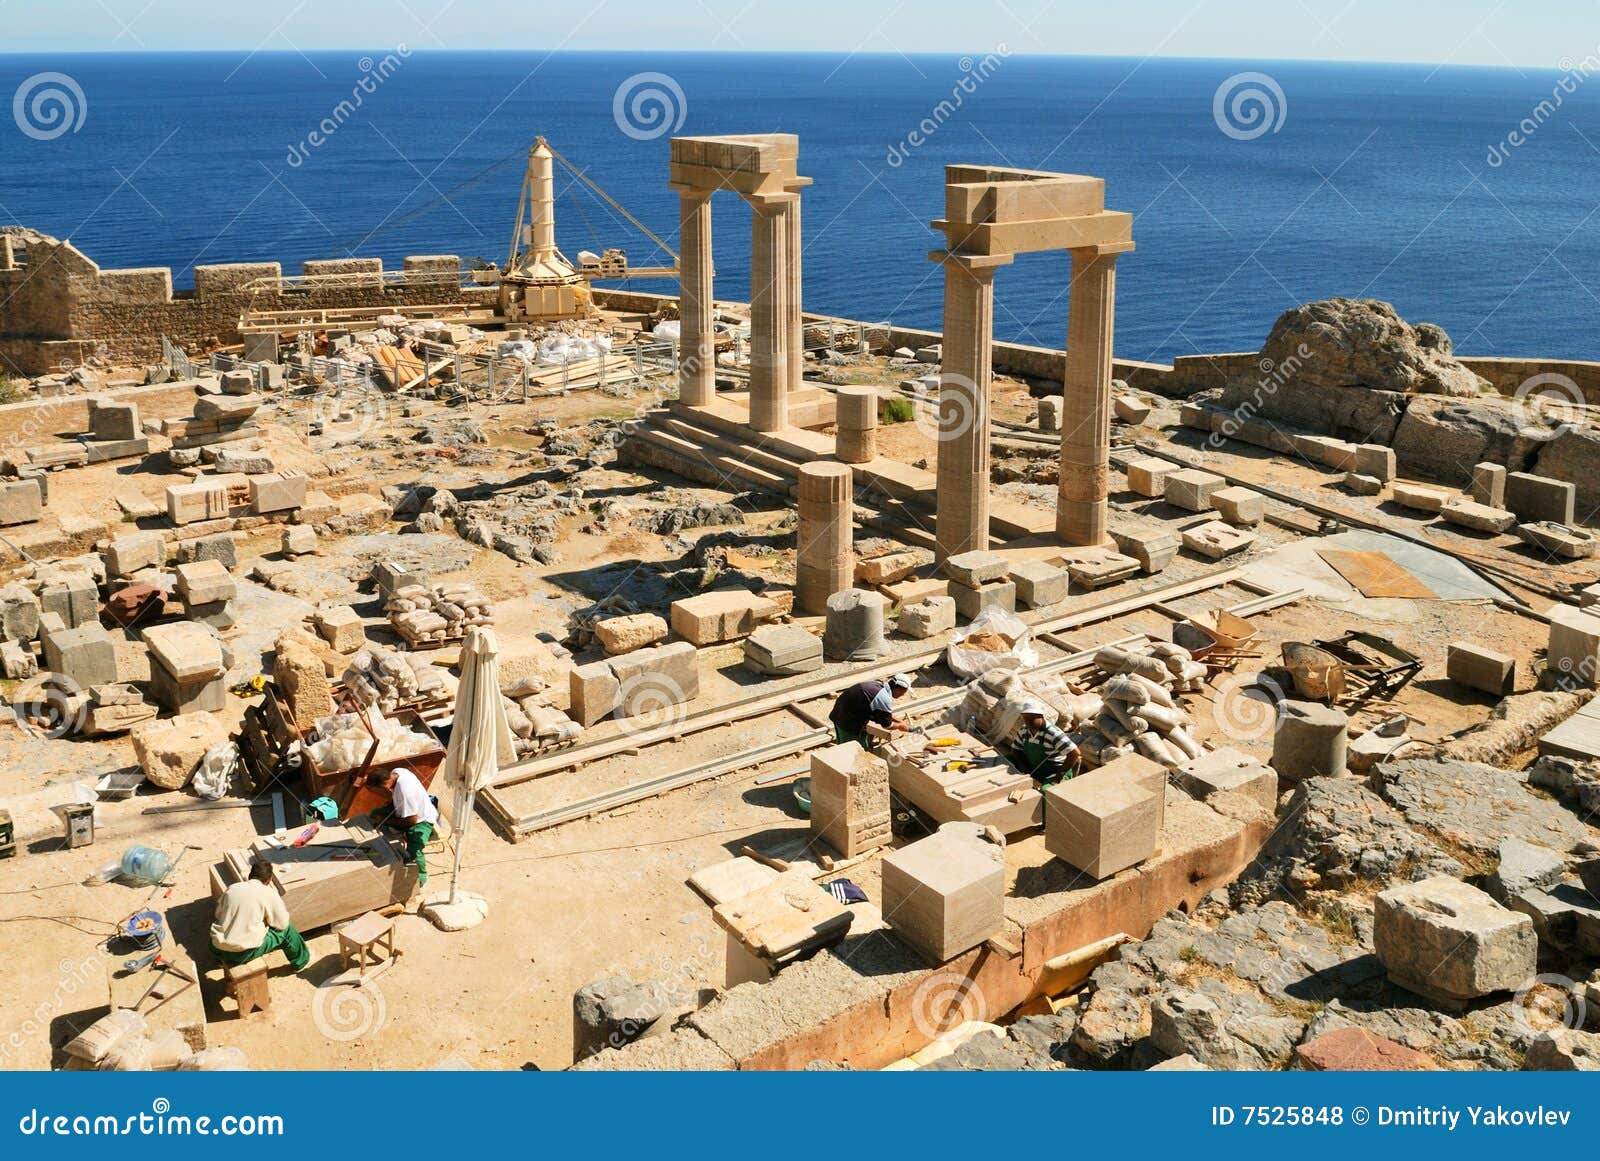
1339,455
886,570
928,617
592,690
1040,584
855,626
1361,485
1240,506
782,651
226,410
945,894
1478,668
299,673
1573,652
1358,1050
128,554
1191,489
71,595
1104,821
1558,540
298,540
1478,517
17,661
389,577
204,582
1311,740
114,421
1375,460
185,650
976,568
1050,413
1093,570
1488,485
341,627
1418,498
85,654
1130,410
1451,943
221,547
168,751
19,614
1152,545
1215,540
1148,477
277,492
1534,498
218,615
238,382
998,594
850,799
201,695
21,502
725,615
201,500
652,681
635,631
1230,782
1524,867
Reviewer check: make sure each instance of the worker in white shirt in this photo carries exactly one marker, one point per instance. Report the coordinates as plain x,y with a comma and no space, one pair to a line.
413,812
252,920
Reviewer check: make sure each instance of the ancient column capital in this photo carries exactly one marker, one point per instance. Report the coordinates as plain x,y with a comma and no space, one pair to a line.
772,204
694,193
1103,250
980,266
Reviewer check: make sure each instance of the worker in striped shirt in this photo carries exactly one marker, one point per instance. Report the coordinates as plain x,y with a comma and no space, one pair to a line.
1044,750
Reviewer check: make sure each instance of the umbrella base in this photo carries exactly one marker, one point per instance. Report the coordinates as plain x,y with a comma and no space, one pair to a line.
468,910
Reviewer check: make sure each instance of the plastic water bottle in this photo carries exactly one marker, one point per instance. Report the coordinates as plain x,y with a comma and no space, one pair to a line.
145,865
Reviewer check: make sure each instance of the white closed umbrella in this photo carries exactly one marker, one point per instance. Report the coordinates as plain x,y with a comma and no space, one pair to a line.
480,740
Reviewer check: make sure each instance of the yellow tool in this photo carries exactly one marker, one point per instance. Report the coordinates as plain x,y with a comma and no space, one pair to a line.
943,743
958,765
257,684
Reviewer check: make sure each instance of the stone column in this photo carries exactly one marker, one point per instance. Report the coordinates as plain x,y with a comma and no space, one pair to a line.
769,327
1085,472
797,338
855,439
697,348
824,560
962,499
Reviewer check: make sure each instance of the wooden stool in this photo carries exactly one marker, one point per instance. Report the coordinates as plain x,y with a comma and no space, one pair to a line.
359,941
247,983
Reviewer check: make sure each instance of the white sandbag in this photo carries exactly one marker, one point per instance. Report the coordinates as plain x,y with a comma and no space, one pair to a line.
95,1041
967,663
215,1060
214,775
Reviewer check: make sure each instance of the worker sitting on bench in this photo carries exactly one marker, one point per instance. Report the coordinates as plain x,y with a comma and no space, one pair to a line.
1043,749
869,704
412,811
252,920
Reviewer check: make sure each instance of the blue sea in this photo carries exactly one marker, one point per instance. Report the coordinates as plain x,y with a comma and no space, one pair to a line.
1465,196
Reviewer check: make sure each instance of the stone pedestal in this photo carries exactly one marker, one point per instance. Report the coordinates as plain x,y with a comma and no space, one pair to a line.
963,456
945,894
697,353
1084,481
1310,741
849,799
855,438
824,560
855,626
769,319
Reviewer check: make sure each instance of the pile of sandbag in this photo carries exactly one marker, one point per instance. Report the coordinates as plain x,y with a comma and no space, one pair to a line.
434,613
384,678
581,623
124,1042
535,724
1140,713
995,639
343,741
992,705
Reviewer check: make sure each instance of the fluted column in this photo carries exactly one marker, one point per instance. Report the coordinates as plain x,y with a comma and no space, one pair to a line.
962,499
769,324
697,347
797,338
824,557
1084,477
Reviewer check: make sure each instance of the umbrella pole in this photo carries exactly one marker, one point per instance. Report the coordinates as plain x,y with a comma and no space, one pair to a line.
461,845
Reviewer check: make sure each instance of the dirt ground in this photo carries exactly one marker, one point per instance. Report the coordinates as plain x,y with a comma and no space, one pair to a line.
569,904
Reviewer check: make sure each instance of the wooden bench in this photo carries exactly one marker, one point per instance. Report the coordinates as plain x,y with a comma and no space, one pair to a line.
247,984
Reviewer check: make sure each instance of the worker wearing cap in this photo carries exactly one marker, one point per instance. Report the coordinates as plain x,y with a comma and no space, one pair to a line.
413,812
869,702
1044,749
252,920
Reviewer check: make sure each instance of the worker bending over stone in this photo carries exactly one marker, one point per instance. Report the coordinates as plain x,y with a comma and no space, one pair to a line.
412,812
252,920
1043,749
869,704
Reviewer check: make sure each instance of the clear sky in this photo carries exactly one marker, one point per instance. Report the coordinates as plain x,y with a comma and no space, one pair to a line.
1523,33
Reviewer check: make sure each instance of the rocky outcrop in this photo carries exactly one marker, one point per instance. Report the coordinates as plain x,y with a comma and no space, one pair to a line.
1474,807
1349,342
1570,454
1440,439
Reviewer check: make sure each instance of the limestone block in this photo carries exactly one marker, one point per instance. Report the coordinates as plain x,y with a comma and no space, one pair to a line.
1240,506
1191,489
226,409
855,626
1478,668
1040,584
725,615
198,695
1152,545
998,594
219,546
298,540
1488,486
204,582
1573,652
1311,740
341,627
1524,867
185,650
782,651
1451,943
128,554
217,614
85,654
21,502
1534,498
1215,540
389,577
1050,414
1362,485
928,617
1479,517
976,568
1558,540
71,595
1375,460
849,799
1419,498
298,671
1093,570
243,460
277,492
945,894
592,692
19,614
1102,822
1130,410
1230,782
1148,477
113,421
168,751
201,500
1339,455
635,631
886,570
650,681
238,382
17,660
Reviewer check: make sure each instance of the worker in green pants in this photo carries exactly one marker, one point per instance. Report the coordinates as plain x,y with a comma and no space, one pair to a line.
1043,749
252,920
413,812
